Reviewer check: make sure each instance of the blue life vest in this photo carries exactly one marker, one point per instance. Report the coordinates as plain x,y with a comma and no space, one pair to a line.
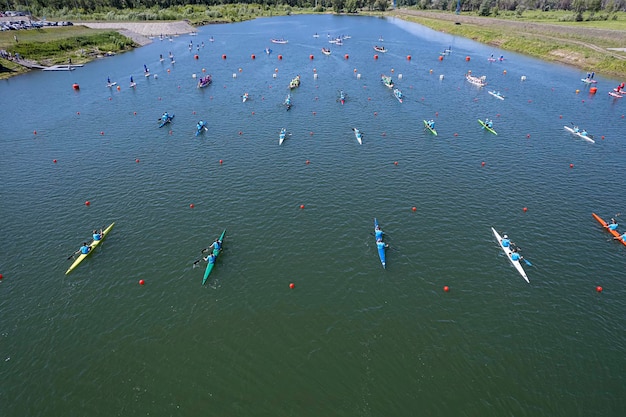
506,243
379,234
515,256
96,236
217,245
380,244
211,259
84,249
613,226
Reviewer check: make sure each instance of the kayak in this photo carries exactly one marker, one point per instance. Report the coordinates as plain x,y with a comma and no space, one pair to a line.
487,127
588,81
92,246
398,94
342,97
201,128
614,94
433,131
281,137
288,102
169,120
112,84
386,80
245,97
507,251
496,94
579,134
358,135
209,267
604,224
381,249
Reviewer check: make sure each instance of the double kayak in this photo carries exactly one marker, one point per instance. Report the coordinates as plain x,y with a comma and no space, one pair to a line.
427,126
92,246
281,137
496,94
166,121
201,127
398,94
507,251
381,247
210,266
484,125
604,224
358,135
579,134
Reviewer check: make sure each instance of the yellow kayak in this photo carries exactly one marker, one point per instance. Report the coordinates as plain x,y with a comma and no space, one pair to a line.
92,246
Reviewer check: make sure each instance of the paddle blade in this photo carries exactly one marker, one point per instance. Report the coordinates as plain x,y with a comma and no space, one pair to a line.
527,262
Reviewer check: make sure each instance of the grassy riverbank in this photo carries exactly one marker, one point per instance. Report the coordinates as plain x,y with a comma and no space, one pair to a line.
550,36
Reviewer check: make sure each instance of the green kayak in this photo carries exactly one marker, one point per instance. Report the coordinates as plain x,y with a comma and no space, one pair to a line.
210,266
487,127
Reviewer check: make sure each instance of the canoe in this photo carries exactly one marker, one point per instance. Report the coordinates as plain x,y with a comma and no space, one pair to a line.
398,94
295,82
358,135
380,49
169,120
92,246
579,134
427,126
479,81
496,94
381,249
326,51
387,81
209,267
604,224
281,137
487,127
614,94
588,81
111,84
507,251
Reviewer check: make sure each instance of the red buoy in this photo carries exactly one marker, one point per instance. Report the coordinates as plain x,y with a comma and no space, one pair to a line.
280,57
441,57
571,165
196,56
414,208
482,163
292,285
395,163
137,160
34,132
1,276
224,56
467,58
311,56
528,136
456,134
191,205
408,57
101,133
375,56
75,86
525,209
307,162
446,288
599,288
54,160
301,206
346,56
141,282
87,203
221,161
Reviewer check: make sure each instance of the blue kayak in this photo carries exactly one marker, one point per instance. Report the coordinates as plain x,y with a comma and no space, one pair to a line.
166,121
201,127
381,246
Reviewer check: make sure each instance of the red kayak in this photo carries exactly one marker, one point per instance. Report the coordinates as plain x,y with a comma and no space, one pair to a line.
606,226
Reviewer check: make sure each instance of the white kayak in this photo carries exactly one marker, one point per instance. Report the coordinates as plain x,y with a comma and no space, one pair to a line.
496,94
281,137
358,135
573,132
507,251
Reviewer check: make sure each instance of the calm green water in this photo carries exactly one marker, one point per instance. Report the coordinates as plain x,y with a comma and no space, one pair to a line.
351,339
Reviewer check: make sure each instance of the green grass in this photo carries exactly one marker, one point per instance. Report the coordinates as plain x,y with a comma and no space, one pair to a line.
9,69
57,45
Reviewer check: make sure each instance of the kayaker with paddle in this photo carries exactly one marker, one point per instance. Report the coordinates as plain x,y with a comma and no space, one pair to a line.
380,244
505,241
515,256
622,237
217,245
613,225
431,123
210,259
165,117
97,235
85,248
378,233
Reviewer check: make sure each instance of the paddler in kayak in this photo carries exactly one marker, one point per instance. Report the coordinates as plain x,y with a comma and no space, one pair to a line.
85,248
210,259
378,233
505,241
383,245
97,235
217,245
613,225
431,124
165,117
515,256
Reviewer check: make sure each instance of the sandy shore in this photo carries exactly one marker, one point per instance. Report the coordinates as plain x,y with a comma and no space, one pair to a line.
140,32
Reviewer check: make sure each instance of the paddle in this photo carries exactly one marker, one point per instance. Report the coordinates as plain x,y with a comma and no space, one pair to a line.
72,255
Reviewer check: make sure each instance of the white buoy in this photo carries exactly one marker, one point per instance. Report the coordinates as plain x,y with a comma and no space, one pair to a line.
315,76
358,76
234,75
156,76
274,75
441,77
399,76
193,75
523,78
